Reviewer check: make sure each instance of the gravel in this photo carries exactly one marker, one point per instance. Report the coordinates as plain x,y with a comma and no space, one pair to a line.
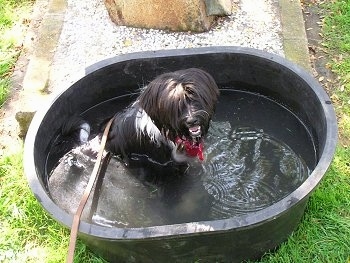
88,36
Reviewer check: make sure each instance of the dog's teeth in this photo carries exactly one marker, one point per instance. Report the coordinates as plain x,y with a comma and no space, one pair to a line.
195,131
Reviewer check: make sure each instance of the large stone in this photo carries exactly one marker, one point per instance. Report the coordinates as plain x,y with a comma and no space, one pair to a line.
30,102
179,15
219,7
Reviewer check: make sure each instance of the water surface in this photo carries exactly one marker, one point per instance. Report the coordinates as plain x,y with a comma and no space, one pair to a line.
257,152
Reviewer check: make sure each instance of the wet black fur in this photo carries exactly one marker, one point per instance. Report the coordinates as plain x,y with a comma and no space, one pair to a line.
165,109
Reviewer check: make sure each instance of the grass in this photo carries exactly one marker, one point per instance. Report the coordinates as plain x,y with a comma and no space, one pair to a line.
323,235
12,22
28,234
337,41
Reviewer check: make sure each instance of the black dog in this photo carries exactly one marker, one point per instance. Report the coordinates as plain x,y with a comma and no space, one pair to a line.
159,137
166,123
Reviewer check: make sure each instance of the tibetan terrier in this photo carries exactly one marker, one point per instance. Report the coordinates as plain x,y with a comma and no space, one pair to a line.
165,124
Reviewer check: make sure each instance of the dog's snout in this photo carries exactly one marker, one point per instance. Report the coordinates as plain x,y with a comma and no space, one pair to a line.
191,121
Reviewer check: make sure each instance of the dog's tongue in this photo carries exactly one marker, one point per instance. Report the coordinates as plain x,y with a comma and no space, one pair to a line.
192,148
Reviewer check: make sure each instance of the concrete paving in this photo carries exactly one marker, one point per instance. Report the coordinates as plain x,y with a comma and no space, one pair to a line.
295,42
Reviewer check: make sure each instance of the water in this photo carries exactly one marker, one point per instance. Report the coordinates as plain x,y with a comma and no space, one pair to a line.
257,152
249,170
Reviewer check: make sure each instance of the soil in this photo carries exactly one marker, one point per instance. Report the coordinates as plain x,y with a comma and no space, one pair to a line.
313,14
319,57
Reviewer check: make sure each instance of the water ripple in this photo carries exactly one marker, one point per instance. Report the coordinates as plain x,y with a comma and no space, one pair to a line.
247,170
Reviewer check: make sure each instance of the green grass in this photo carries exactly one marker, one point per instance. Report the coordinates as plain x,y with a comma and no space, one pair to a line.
337,41
336,25
12,15
323,235
25,228
28,234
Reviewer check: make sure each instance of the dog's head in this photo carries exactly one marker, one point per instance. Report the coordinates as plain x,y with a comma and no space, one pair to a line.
181,103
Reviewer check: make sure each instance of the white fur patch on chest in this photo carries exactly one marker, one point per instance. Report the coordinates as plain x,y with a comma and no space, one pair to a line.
144,125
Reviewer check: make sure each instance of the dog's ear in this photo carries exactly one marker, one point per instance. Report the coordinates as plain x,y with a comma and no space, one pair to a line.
152,97
148,99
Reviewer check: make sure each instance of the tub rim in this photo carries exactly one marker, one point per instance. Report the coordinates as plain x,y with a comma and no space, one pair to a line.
238,222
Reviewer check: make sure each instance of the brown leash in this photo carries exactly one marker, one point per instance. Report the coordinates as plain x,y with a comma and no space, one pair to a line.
87,191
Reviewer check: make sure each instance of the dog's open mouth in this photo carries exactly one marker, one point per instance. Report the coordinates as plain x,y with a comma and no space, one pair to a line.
195,131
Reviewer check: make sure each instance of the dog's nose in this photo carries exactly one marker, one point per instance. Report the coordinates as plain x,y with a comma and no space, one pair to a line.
191,121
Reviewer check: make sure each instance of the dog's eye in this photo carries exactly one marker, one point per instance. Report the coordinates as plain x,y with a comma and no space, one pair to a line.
189,89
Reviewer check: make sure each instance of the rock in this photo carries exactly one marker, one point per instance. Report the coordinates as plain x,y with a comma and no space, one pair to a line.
29,103
180,15
218,7
24,119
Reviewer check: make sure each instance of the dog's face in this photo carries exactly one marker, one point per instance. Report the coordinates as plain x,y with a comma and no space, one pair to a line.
181,103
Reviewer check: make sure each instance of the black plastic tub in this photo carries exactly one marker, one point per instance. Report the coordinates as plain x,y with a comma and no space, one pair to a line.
233,239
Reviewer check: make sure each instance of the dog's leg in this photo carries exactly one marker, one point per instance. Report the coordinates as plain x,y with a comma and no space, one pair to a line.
179,153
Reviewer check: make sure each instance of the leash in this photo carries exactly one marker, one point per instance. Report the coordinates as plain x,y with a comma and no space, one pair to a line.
86,194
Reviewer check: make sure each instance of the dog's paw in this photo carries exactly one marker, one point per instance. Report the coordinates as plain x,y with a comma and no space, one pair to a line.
179,153
91,148
180,148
